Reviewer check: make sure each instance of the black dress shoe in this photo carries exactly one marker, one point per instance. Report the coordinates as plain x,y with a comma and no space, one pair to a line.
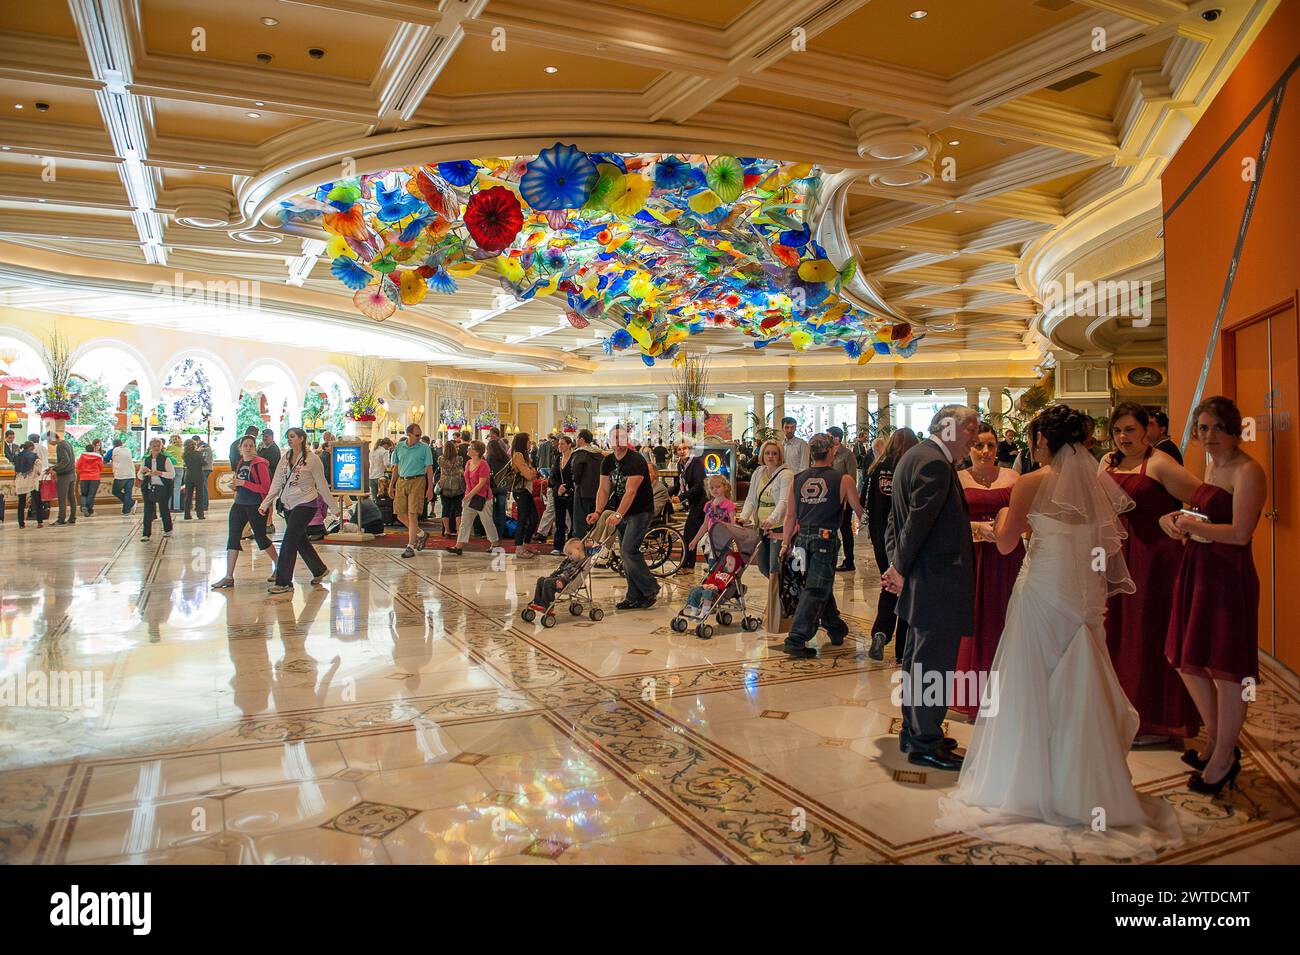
941,760
647,603
627,604
801,650
948,743
837,640
845,567
877,651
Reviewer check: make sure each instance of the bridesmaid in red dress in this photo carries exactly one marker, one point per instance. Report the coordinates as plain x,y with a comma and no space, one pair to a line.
1136,622
1213,632
988,489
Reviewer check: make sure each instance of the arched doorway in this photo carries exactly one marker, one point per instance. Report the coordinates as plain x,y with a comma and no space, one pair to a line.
117,389
323,404
269,397
21,370
195,398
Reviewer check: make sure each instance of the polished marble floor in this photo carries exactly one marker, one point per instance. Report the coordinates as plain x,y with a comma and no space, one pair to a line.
405,713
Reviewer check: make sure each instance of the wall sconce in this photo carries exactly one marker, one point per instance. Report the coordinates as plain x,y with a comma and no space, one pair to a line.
416,413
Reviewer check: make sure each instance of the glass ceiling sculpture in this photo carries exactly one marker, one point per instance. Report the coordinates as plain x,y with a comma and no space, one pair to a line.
661,247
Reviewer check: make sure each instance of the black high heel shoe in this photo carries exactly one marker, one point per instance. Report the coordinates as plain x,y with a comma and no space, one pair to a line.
1193,758
1197,783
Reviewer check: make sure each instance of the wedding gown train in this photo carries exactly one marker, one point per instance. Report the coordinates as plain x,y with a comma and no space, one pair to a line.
1047,766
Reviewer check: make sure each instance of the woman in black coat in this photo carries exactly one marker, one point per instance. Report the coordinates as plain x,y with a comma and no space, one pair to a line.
689,491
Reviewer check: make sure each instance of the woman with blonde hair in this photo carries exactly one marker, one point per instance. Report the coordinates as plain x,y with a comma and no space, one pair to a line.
767,502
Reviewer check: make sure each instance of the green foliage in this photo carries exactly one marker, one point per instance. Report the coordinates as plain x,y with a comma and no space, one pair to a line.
248,414
95,410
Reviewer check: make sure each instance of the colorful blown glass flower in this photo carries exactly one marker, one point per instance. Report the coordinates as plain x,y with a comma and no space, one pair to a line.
460,173
493,218
559,178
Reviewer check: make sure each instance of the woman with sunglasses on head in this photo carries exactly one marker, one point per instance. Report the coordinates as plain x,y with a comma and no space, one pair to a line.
1136,622
252,479
987,488
299,481
1214,629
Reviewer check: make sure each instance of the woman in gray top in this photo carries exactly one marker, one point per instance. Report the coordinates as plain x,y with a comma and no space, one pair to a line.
299,480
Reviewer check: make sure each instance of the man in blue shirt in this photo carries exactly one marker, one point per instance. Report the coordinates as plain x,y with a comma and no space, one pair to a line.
411,485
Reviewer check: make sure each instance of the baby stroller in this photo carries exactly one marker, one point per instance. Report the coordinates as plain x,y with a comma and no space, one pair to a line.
722,593
576,578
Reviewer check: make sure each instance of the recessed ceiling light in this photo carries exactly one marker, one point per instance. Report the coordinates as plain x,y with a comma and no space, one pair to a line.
954,142
956,212
40,200
270,22
203,167
6,148
259,103
550,69
253,115
919,14
18,105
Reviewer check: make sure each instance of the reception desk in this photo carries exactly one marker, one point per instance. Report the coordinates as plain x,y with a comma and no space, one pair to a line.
218,485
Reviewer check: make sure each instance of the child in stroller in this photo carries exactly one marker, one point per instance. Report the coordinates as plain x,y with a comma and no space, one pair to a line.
721,591
572,579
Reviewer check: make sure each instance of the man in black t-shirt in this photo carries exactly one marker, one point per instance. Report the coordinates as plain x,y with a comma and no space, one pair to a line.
625,487
820,497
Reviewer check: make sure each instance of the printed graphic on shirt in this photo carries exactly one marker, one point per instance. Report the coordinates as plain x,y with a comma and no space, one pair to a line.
886,484
814,490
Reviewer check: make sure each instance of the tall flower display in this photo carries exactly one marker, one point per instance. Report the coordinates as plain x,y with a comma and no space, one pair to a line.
58,400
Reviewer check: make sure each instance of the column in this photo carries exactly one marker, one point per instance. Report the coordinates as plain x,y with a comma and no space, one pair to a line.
760,409
885,417
863,415
995,396
778,407
661,420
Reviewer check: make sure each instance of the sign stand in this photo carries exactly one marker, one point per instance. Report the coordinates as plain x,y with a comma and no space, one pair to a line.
349,477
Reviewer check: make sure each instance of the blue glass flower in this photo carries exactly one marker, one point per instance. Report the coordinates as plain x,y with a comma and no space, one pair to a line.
559,178
441,281
648,360
395,203
347,271
671,173
853,349
460,173
621,339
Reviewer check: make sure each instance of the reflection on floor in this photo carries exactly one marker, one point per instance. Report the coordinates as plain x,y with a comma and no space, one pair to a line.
404,713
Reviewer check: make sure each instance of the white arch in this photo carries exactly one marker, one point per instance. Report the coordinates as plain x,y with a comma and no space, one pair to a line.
329,369
31,355
132,366
283,391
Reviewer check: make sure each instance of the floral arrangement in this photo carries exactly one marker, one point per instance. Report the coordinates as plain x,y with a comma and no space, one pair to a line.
57,401
569,424
453,417
362,407
487,418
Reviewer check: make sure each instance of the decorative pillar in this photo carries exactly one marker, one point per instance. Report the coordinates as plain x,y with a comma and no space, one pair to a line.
863,412
885,417
778,407
760,409
661,420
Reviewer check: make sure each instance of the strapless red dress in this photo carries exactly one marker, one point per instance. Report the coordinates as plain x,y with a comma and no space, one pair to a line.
995,576
1136,622
1214,628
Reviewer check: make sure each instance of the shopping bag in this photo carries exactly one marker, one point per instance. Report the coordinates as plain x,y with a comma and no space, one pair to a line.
49,489
779,614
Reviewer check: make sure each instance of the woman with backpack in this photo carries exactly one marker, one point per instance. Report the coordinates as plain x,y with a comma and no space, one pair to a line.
27,482
451,486
522,476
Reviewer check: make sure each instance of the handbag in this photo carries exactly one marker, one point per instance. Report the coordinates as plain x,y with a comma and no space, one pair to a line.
476,502
504,479
49,489
776,617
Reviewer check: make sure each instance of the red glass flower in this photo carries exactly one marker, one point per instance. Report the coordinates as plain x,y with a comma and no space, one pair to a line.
493,217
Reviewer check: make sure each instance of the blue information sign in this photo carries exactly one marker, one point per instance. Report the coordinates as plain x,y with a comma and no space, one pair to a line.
347,468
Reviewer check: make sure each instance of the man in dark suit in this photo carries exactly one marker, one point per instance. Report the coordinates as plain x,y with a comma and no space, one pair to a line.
932,569
1158,435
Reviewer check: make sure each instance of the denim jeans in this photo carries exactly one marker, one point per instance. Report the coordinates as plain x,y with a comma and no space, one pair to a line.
769,554
178,487
641,584
122,488
817,600
500,510
88,491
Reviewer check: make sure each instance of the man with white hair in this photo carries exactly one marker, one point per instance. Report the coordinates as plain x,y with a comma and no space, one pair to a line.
932,569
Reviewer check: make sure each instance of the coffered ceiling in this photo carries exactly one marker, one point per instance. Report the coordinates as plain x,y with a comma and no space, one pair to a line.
167,143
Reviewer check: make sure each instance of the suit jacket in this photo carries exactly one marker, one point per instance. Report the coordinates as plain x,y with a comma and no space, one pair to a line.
928,541
1170,447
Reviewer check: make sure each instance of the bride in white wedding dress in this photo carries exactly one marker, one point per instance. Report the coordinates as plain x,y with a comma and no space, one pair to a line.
1047,767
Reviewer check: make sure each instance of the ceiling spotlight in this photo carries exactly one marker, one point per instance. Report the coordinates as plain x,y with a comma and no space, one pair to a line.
956,212
203,167
6,148
919,14
18,105
253,115
270,22
42,107
550,69
954,142
259,103
264,58
316,53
